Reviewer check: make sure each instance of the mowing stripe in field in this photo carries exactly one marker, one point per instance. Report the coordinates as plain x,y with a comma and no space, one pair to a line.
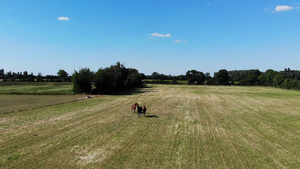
185,127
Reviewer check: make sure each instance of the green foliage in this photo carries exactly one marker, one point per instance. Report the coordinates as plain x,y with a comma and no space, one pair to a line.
174,81
116,78
270,74
102,81
290,84
1,73
287,79
155,75
278,79
222,77
39,77
82,81
285,84
195,76
62,75
134,78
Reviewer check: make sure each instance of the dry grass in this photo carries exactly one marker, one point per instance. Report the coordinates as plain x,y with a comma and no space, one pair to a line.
36,88
14,103
187,127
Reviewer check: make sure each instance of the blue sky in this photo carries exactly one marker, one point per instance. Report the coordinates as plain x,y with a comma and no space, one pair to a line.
166,36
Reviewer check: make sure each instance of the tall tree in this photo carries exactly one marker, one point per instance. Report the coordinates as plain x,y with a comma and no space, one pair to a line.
62,75
1,73
116,78
270,74
103,82
222,77
134,78
278,79
82,81
155,75
39,77
195,76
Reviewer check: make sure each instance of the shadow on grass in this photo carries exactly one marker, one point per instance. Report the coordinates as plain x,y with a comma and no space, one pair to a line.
139,90
152,116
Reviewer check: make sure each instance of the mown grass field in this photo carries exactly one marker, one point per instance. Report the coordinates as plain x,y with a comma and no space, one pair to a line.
186,127
36,88
14,103
181,82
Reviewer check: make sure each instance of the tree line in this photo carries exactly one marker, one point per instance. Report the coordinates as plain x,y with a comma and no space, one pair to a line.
286,79
105,81
62,76
117,78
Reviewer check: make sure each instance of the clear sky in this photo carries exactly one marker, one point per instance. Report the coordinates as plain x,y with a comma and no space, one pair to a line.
166,36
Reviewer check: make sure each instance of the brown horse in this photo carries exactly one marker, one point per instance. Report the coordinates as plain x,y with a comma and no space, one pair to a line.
134,106
144,110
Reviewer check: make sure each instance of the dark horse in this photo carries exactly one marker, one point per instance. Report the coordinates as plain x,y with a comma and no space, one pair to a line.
134,106
142,110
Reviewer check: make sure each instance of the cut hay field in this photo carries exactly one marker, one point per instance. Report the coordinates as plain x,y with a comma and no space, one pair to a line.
186,127
14,103
36,88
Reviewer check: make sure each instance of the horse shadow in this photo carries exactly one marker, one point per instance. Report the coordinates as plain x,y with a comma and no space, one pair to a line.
152,116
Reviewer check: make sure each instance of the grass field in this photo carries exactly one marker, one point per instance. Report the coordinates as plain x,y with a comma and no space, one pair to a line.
186,127
36,88
181,82
14,103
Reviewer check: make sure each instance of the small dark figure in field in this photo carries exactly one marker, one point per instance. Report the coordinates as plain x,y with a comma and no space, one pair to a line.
133,107
144,110
140,110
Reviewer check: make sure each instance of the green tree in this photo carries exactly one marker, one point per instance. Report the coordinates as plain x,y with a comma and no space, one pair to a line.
103,82
207,76
195,76
39,77
62,75
143,76
270,74
285,84
82,81
116,78
222,77
278,79
155,75
1,73
261,79
118,74
134,78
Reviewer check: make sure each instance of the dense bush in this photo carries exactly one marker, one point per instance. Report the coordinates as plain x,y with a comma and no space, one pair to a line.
222,77
109,80
195,76
116,78
82,81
